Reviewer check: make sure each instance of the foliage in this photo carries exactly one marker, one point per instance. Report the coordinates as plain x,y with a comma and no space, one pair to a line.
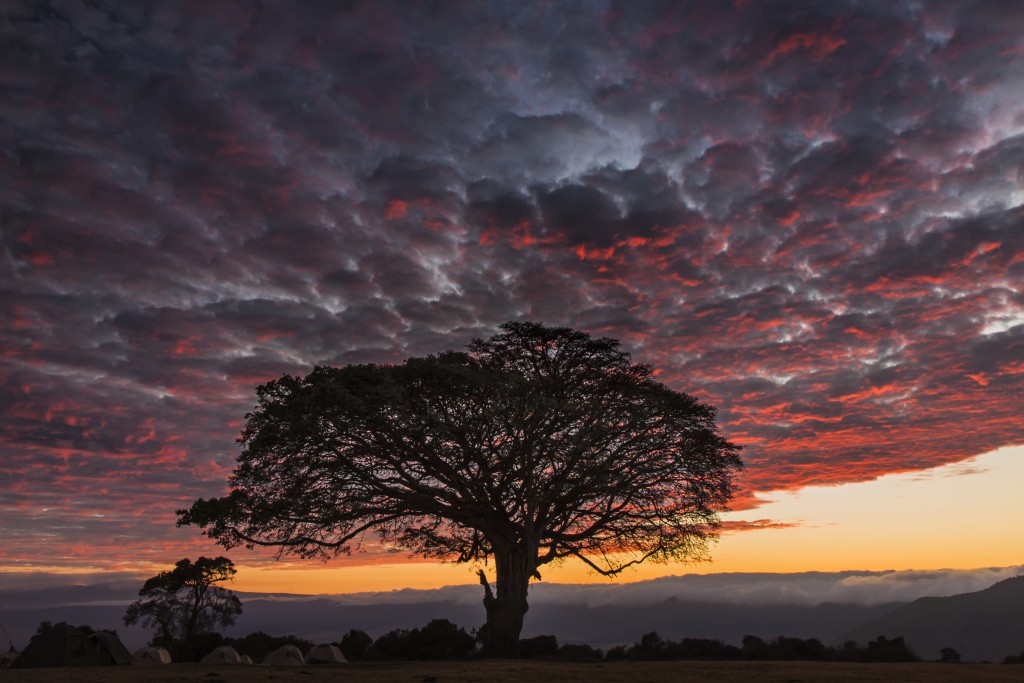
1014,659
355,644
652,647
536,445
202,644
884,649
949,655
785,648
538,647
438,640
259,644
47,626
184,605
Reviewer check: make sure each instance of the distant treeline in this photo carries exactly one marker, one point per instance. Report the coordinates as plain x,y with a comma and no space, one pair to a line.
442,640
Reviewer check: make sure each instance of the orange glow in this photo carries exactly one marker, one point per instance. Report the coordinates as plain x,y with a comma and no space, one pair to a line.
820,46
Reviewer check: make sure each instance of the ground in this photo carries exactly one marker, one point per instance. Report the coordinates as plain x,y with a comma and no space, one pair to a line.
510,671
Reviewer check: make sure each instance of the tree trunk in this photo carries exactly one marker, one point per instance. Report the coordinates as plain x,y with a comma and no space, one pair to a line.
506,609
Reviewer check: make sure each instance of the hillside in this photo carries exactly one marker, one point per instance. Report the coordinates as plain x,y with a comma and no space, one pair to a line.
986,625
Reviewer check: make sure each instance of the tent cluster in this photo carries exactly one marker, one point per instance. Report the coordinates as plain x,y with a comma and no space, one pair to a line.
286,655
64,645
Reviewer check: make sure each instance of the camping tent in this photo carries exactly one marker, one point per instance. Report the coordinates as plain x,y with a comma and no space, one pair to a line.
286,655
325,654
152,655
225,654
107,642
7,658
64,645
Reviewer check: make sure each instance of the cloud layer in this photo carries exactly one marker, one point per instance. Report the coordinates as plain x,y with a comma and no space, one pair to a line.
809,216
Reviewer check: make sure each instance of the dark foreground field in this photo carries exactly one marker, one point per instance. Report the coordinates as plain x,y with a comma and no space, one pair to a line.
544,672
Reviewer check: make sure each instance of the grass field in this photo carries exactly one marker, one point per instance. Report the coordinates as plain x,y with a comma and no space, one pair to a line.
543,672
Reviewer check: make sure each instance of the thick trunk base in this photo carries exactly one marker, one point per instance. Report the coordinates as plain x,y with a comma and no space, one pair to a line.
505,610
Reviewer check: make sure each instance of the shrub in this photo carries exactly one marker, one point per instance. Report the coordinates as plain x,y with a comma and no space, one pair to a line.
355,644
538,647
438,640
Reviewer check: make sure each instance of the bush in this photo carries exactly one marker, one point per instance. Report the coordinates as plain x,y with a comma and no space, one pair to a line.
617,654
355,644
538,647
883,649
438,640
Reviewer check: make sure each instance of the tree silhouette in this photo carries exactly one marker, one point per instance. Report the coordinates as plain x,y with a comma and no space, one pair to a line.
184,604
354,645
538,444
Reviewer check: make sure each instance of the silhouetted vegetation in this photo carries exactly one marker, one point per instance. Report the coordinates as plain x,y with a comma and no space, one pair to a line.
502,452
1015,659
883,649
547,648
355,644
438,640
186,607
948,655
652,647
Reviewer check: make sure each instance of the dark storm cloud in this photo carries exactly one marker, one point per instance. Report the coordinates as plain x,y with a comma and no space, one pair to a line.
809,215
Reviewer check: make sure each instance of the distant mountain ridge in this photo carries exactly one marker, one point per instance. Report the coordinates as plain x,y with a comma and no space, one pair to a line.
326,619
986,625
832,607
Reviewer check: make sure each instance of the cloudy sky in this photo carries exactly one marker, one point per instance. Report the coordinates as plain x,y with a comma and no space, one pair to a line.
808,214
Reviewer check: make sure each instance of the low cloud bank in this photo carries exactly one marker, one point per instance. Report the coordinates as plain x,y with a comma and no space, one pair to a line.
754,589
749,589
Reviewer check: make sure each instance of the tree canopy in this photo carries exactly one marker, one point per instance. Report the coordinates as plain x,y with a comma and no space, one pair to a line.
185,603
538,444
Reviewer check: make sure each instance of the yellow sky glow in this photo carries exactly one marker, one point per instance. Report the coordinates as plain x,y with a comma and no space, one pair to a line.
958,516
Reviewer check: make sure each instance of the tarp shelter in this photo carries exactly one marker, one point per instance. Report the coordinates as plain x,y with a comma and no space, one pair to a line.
225,654
152,655
64,645
286,655
325,654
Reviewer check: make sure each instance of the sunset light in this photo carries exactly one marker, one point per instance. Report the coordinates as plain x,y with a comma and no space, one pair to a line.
808,216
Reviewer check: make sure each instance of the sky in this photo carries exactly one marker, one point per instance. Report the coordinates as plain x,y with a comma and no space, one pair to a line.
810,215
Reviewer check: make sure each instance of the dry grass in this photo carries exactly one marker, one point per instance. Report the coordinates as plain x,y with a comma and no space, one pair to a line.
546,672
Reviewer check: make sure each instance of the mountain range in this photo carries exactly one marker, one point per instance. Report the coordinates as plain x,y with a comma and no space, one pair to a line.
986,625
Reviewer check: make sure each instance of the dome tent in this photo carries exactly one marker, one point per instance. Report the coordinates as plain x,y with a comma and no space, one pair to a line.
286,655
152,655
325,654
225,654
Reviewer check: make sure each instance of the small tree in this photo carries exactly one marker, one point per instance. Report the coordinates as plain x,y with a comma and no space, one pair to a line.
949,655
185,603
538,444
354,645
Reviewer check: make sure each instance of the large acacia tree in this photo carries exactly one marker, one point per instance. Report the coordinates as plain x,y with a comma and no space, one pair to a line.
537,444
